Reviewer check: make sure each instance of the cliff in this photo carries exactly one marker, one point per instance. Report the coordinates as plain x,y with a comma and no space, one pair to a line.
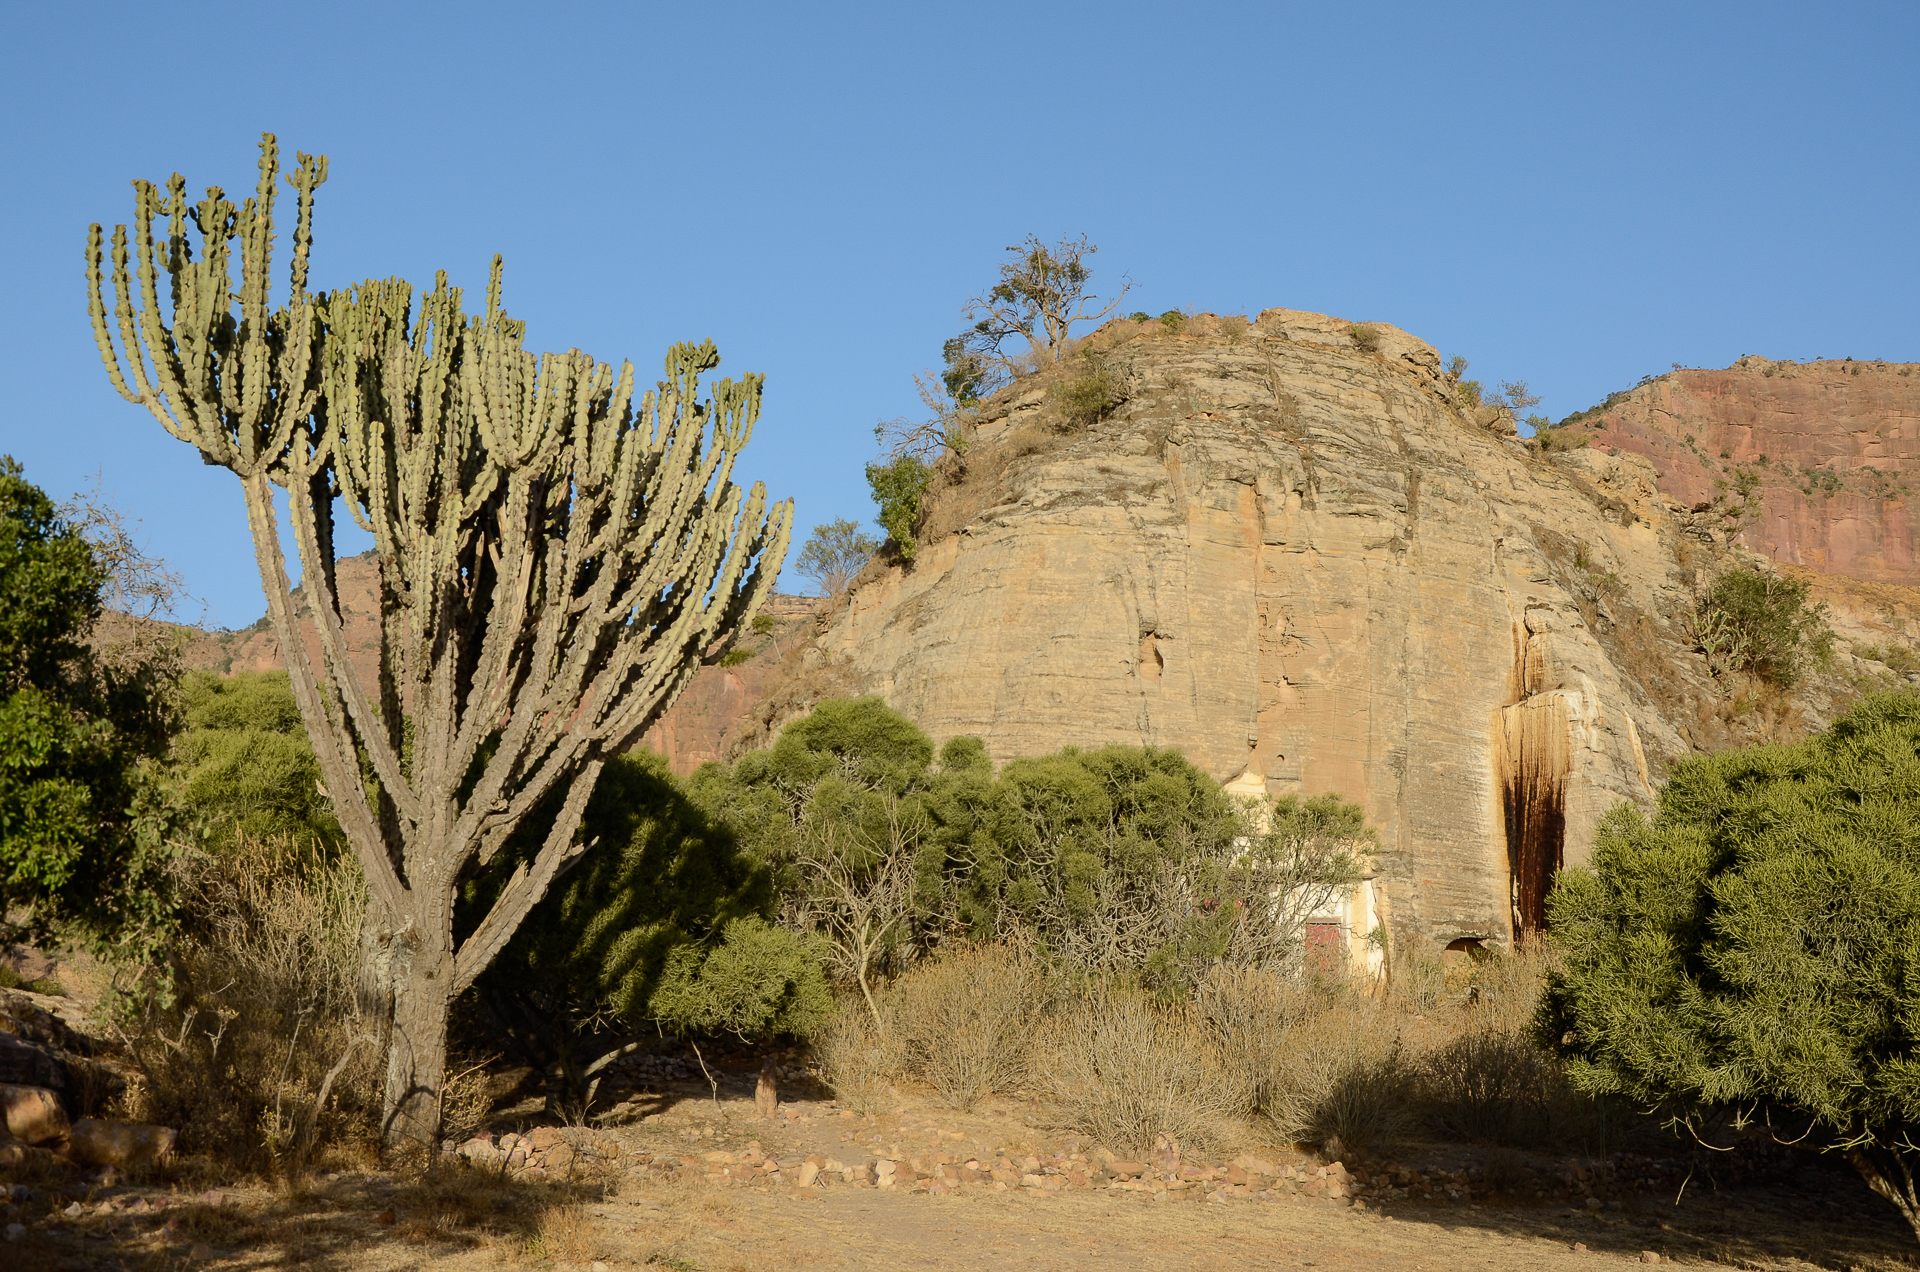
1297,561
1818,462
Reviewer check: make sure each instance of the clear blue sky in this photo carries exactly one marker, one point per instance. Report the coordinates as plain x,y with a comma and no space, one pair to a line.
1574,195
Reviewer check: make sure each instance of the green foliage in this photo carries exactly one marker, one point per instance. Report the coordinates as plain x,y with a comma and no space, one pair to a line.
970,374
1173,320
1365,337
1139,315
833,554
899,487
1117,859
1088,399
1754,949
244,765
660,875
83,824
1769,628
758,982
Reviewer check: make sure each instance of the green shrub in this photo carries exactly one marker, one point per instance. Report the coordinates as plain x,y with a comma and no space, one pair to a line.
899,487
1090,398
84,827
662,889
1173,320
1365,337
244,765
1751,951
759,981
1765,624
1139,315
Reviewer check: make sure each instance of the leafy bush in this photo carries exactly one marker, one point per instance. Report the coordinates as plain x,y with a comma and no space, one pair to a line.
662,893
1751,950
1365,337
244,765
83,825
1087,400
1761,622
899,487
759,981
1173,320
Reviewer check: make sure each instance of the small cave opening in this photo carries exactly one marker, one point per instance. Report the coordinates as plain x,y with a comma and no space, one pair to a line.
1533,791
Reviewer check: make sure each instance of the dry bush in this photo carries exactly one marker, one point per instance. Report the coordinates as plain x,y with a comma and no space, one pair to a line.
1317,1062
250,1039
965,1021
1128,1070
1488,1080
859,1058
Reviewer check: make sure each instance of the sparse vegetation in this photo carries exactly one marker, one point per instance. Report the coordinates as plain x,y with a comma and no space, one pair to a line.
1365,337
1087,399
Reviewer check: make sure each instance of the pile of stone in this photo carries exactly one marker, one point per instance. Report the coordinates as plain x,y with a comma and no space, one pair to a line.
546,1152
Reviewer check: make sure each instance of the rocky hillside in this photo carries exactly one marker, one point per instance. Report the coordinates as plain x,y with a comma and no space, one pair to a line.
1814,464
1297,561
1289,553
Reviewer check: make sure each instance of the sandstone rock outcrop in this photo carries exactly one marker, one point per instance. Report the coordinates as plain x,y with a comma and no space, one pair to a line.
1830,452
1300,563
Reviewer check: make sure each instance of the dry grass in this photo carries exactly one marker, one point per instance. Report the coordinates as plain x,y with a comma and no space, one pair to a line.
255,1019
1441,1051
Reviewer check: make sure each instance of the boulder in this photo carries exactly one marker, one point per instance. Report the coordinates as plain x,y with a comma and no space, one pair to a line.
24,1062
33,1114
98,1142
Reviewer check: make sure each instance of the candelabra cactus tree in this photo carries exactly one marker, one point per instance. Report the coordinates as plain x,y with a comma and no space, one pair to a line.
556,559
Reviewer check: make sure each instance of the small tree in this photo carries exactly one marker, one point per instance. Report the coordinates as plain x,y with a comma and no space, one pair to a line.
1759,621
899,487
82,823
556,558
1752,953
1042,294
833,554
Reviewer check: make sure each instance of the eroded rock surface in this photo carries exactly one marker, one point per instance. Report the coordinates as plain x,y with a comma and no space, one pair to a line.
1830,451
1299,563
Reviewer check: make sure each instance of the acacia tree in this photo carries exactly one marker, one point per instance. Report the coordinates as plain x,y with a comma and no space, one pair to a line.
1042,294
555,559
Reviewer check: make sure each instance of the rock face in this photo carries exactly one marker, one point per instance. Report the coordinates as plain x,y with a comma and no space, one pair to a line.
1298,562
1829,453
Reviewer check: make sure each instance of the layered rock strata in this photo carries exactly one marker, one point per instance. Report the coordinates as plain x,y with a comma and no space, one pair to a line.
1295,560
1818,463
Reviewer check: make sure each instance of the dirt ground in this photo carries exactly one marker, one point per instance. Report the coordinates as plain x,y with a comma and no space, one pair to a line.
665,1204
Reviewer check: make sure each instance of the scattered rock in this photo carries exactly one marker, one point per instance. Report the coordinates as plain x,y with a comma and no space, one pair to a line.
16,1232
1648,1256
